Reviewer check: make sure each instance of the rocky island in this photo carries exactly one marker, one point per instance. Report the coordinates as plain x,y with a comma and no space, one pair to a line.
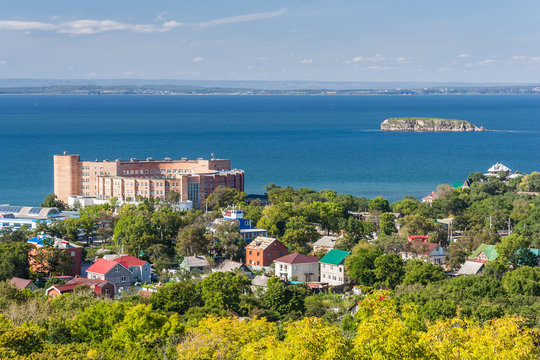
421,124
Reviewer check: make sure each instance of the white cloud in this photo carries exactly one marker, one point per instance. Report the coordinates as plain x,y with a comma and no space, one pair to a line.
463,56
92,74
378,68
92,26
250,67
376,58
197,59
26,25
3,62
469,65
128,73
307,61
526,58
87,26
486,62
228,20
401,59
444,69
161,16
262,58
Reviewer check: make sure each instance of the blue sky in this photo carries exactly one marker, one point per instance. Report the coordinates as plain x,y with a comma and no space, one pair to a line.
424,41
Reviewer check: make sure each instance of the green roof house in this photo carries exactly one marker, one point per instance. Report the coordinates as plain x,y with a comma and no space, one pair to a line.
332,267
484,254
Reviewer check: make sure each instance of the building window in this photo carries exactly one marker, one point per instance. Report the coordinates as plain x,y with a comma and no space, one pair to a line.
123,278
269,254
117,269
250,252
193,194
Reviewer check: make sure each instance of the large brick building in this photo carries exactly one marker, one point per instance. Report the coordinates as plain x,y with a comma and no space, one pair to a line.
194,180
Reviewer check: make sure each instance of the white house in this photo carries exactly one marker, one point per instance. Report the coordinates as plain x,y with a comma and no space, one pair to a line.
333,267
297,267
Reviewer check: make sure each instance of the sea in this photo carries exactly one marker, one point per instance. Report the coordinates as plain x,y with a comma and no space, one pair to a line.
320,142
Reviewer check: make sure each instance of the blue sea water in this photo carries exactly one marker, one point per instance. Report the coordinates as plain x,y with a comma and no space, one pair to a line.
322,142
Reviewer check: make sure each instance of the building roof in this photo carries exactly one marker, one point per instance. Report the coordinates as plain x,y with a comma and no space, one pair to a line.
430,197
20,283
28,211
128,261
326,241
63,288
296,258
488,250
58,243
86,281
102,266
229,265
470,268
334,257
420,247
498,167
260,280
261,243
196,261
418,237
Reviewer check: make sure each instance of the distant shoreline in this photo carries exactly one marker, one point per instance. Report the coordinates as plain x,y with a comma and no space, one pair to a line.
174,90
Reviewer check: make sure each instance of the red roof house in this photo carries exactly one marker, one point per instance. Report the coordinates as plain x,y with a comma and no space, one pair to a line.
22,284
111,271
263,250
99,287
418,247
140,269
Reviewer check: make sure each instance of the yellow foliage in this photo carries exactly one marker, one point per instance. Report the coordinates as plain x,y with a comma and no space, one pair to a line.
223,338
307,339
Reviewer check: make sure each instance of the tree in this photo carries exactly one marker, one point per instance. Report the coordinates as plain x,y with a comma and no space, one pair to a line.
328,215
421,272
229,243
52,261
143,326
509,248
310,338
392,244
222,290
283,299
361,263
224,338
298,234
14,260
224,196
51,200
415,225
193,240
274,218
444,190
134,231
389,270
387,223
406,206
523,281
379,205
177,297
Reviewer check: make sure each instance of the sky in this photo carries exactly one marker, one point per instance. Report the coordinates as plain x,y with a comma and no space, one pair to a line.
403,41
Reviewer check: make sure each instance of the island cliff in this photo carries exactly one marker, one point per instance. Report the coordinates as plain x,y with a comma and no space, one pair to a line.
428,124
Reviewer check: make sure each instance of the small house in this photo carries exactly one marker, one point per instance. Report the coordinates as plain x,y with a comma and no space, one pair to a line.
22,284
111,271
190,263
332,267
234,266
484,254
297,267
325,243
140,269
264,250
418,247
99,287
